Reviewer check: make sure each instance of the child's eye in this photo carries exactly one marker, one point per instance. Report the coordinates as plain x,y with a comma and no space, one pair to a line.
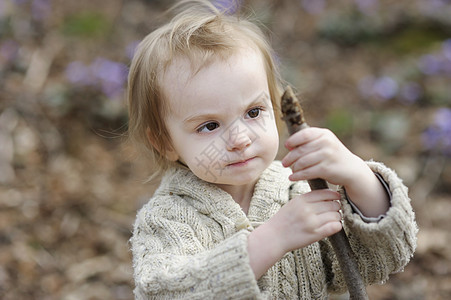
254,112
207,127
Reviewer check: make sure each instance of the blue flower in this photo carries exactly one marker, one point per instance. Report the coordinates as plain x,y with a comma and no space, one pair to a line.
430,64
385,87
41,9
131,48
109,76
411,92
313,7
9,50
446,49
438,63
228,6
431,7
112,76
79,74
367,6
365,86
3,11
438,135
19,2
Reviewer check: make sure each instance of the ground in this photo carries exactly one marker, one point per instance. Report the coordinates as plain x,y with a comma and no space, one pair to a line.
377,74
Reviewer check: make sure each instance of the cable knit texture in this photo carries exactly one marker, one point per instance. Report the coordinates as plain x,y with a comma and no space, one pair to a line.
190,241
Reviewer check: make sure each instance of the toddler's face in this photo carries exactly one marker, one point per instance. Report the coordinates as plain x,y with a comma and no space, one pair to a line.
221,120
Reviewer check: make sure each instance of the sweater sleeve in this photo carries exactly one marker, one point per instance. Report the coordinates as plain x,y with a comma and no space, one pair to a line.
171,263
382,247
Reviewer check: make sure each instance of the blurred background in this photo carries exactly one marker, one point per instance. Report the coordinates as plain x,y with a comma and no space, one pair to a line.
378,73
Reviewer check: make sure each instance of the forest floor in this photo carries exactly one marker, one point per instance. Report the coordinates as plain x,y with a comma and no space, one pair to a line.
70,188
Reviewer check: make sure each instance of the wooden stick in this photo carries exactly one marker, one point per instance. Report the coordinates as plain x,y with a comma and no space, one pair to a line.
294,118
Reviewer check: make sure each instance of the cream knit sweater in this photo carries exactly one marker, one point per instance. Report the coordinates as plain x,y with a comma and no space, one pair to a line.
190,242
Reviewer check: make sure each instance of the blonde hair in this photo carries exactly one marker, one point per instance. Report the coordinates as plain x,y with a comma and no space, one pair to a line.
202,33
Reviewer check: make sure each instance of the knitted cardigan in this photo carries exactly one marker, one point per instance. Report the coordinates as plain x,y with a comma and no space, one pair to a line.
190,241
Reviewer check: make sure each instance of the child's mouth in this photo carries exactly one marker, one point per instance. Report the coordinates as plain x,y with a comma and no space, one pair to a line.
240,163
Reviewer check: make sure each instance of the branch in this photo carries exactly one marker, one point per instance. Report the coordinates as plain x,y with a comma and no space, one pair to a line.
294,118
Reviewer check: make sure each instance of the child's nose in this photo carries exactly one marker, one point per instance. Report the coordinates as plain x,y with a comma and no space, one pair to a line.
239,139
239,144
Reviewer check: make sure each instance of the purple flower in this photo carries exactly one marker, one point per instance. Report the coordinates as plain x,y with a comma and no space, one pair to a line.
19,2
446,48
131,48
431,7
367,6
105,74
313,7
112,76
228,6
438,4
446,67
438,135
2,8
9,50
437,63
385,87
41,9
430,64
365,86
107,70
443,119
430,138
79,74
411,92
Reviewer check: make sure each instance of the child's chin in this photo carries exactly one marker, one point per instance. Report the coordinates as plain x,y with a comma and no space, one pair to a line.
238,180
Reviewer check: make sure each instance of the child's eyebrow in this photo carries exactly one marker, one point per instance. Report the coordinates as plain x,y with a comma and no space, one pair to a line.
261,99
199,117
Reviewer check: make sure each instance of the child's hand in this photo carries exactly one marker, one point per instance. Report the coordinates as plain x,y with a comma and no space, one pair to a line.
304,220
315,153
318,153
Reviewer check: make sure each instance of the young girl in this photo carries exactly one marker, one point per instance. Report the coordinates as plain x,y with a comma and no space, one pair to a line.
227,221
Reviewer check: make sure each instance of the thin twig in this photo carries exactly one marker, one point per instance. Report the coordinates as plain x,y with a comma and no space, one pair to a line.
294,118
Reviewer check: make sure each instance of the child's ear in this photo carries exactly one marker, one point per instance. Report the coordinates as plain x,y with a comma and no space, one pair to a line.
170,152
172,155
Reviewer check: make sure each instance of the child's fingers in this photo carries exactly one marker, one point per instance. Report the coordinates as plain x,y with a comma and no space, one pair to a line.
311,172
302,146
302,137
296,154
305,162
329,228
319,196
330,216
318,201
326,206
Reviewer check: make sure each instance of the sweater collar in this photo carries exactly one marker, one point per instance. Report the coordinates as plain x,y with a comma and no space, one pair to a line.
271,191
